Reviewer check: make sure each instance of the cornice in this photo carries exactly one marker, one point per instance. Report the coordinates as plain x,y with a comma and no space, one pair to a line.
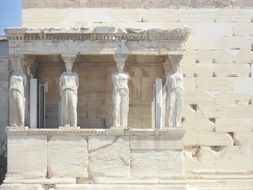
23,34
172,133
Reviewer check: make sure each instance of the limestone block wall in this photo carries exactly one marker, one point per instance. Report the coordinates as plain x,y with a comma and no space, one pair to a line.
218,110
94,156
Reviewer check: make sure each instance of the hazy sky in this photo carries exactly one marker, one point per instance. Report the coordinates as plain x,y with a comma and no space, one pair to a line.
10,14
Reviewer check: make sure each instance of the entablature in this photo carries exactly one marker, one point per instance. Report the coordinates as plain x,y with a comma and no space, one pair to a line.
101,40
107,34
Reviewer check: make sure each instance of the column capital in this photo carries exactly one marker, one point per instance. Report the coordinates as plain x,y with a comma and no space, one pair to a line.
175,58
28,61
16,58
16,62
68,58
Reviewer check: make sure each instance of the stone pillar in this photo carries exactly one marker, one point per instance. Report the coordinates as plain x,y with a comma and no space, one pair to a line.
33,103
120,94
158,103
18,83
69,83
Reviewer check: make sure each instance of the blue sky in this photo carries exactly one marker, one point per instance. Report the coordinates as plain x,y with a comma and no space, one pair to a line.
10,14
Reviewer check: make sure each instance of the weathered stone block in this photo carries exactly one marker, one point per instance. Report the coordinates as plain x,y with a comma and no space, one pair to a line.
109,156
232,70
214,139
67,157
31,152
232,15
197,15
216,111
234,125
188,58
150,15
204,56
72,17
154,143
222,56
243,29
196,123
199,31
243,138
190,84
203,70
243,112
22,187
214,84
243,56
190,138
235,159
156,163
198,97
199,160
129,186
234,42
242,85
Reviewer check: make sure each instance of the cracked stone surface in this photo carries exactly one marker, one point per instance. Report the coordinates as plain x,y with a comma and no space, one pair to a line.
67,157
22,187
109,156
156,163
27,156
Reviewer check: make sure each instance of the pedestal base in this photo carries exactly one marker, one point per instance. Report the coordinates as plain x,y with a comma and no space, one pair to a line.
71,158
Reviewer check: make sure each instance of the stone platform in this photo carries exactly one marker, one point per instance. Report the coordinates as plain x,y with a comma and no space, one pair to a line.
106,159
94,159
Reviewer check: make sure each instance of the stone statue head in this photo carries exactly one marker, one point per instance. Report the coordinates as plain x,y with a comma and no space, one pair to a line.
175,67
69,61
69,66
120,65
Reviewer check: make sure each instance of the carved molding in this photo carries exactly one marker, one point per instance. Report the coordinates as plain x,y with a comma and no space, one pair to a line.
27,4
68,58
16,61
172,133
175,58
23,34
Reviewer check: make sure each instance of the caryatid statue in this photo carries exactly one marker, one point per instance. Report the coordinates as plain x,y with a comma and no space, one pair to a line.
120,89
175,94
18,82
69,83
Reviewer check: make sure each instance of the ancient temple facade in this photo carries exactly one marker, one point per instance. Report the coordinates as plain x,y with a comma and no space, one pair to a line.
129,95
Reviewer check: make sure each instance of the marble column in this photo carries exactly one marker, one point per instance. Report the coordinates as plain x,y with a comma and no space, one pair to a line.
158,104
32,102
